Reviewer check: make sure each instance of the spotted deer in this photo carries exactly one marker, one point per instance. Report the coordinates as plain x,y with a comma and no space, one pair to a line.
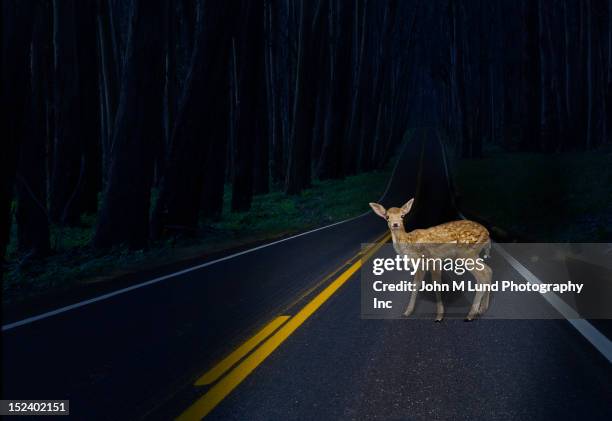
456,239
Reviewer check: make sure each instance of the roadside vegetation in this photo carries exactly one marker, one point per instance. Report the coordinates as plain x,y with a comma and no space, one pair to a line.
274,215
543,197
111,160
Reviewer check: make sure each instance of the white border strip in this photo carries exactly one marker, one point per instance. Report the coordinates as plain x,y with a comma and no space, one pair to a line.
83,303
60,310
594,336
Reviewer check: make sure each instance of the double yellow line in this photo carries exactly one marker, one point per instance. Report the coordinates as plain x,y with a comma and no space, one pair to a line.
274,334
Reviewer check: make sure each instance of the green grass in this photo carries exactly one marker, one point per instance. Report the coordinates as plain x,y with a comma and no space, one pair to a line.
271,216
556,197
326,202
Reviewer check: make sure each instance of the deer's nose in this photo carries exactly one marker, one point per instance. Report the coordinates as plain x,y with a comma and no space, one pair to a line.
395,225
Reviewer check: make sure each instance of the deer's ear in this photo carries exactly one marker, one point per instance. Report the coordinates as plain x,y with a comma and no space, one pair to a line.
379,210
407,206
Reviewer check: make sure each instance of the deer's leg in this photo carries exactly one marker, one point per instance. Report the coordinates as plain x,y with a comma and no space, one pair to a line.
418,281
484,304
483,277
437,278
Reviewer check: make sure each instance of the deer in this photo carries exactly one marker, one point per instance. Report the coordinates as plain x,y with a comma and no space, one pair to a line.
456,239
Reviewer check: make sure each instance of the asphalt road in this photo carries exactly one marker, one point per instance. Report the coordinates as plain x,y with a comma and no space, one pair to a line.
137,355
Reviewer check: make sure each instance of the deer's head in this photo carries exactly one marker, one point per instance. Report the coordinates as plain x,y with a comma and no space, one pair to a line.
393,216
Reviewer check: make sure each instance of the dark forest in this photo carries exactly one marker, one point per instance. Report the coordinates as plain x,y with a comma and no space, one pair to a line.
143,112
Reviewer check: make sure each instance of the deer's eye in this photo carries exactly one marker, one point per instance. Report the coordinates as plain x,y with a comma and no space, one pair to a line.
387,218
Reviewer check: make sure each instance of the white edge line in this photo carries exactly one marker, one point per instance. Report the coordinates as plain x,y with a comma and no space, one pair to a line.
584,327
103,297
159,279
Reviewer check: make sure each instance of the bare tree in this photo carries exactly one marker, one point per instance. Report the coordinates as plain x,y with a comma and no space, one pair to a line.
124,217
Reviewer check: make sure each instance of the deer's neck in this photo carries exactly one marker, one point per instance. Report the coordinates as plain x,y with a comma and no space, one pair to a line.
400,236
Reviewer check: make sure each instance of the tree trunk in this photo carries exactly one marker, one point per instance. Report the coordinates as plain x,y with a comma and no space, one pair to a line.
298,169
32,216
530,138
567,110
89,105
274,94
16,33
250,131
215,166
178,206
68,167
124,216
484,82
350,153
108,83
459,30
330,165
261,156
372,133
589,76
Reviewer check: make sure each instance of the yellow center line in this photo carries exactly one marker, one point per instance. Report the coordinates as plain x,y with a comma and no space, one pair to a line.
227,384
325,279
228,362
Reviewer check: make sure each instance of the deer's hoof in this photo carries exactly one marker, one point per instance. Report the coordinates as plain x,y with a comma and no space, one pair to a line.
438,320
468,319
